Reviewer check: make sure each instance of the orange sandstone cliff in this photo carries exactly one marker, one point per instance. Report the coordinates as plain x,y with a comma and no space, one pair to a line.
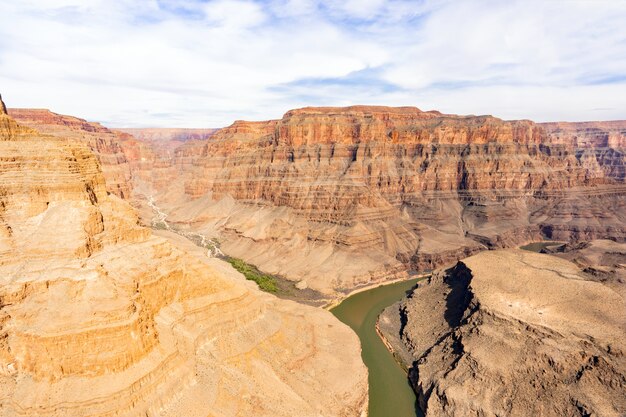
104,143
100,317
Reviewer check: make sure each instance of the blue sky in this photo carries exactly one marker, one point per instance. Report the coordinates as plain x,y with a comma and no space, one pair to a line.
193,63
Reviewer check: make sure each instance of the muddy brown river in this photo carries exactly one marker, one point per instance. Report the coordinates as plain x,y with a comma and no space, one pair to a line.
389,391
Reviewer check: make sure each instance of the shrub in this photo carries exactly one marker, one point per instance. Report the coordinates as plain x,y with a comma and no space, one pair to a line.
264,281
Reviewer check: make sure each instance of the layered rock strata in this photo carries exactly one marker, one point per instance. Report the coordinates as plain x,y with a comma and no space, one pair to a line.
104,143
515,333
155,149
99,317
170,137
604,141
151,155
342,197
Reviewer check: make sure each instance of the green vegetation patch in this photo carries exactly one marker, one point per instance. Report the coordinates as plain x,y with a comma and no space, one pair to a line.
160,225
264,281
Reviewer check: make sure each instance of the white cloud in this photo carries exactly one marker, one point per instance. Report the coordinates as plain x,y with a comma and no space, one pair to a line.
364,9
234,14
199,63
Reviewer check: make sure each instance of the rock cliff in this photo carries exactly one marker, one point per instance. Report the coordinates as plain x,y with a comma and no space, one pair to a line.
515,333
340,197
164,136
100,317
610,134
104,143
603,141
151,154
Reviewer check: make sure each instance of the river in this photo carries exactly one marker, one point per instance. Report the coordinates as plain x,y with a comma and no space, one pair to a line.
389,391
538,246
160,222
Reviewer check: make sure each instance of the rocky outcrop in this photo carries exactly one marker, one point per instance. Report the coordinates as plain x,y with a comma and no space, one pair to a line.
602,261
104,143
341,197
515,333
604,142
99,317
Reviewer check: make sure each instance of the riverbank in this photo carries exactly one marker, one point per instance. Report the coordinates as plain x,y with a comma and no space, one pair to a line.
390,391
390,347
335,302
539,246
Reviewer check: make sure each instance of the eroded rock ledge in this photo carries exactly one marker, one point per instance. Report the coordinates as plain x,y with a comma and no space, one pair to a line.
513,333
98,317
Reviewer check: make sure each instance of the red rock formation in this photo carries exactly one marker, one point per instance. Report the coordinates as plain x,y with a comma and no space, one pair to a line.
168,135
610,134
385,188
150,151
601,142
102,141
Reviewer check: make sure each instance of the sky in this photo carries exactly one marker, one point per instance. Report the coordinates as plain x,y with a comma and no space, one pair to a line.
206,63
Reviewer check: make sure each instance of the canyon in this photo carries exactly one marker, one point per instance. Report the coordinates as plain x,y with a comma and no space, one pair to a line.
100,316
339,198
112,316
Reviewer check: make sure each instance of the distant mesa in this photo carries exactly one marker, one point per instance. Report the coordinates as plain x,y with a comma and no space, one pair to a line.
169,134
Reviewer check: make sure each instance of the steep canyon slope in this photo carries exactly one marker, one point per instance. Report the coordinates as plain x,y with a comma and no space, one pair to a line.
100,317
104,143
342,197
516,333
151,154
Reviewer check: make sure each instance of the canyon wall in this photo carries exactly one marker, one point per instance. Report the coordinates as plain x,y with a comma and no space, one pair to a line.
611,134
151,155
151,151
100,317
516,333
168,135
606,142
104,143
342,197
